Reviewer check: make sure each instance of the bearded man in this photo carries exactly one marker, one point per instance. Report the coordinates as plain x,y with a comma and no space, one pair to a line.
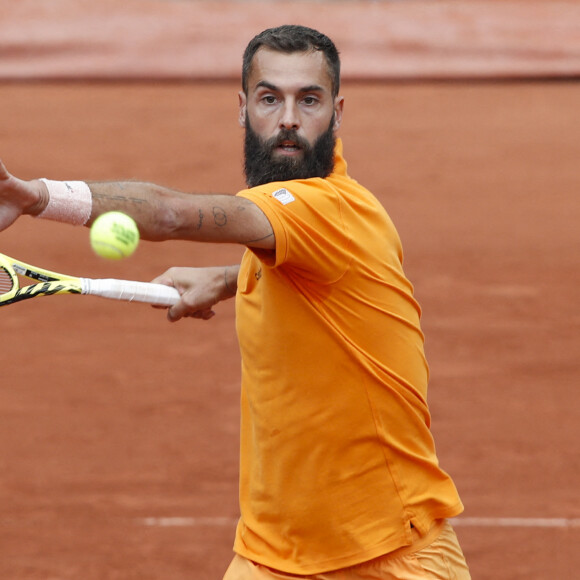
339,478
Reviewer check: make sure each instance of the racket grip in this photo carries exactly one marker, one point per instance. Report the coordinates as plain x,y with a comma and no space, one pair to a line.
131,291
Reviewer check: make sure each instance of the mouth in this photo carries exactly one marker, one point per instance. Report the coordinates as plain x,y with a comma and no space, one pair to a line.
288,147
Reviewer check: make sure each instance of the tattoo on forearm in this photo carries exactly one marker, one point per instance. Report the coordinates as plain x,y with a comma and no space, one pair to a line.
123,198
220,217
200,217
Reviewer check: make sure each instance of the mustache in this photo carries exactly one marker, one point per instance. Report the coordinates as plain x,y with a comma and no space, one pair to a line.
284,136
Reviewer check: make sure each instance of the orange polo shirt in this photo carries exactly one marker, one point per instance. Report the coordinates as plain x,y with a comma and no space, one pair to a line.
337,458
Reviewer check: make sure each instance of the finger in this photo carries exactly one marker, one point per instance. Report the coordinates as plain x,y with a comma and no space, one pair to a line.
184,310
176,313
203,314
3,171
165,279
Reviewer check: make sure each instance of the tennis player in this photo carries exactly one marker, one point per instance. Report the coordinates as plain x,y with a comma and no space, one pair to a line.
339,477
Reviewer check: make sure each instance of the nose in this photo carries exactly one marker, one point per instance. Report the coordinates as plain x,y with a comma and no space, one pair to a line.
290,118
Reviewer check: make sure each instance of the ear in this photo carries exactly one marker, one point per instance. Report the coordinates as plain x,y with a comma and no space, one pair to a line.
338,108
242,104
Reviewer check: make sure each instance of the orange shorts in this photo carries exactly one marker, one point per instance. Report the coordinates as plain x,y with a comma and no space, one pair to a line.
436,556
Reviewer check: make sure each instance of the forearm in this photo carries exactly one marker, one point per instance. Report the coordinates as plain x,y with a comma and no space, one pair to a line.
158,211
166,214
231,279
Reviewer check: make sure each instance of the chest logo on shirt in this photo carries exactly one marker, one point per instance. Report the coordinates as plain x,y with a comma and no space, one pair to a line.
283,196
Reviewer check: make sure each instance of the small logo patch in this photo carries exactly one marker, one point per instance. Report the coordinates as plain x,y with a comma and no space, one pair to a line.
283,196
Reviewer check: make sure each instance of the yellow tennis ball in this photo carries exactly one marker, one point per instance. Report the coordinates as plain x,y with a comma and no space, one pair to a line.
114,235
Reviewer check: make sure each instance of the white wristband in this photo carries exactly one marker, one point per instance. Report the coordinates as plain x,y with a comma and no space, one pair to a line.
70,202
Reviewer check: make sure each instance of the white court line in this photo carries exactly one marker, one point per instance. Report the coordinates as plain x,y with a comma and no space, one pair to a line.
169,522
517,522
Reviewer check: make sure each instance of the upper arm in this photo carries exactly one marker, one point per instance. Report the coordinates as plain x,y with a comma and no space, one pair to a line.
256,229
224,218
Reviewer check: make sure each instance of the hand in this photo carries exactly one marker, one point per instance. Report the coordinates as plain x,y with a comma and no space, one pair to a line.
18,197
200,289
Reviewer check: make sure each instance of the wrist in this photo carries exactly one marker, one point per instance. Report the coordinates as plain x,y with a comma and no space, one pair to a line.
64,201
42,198
230,281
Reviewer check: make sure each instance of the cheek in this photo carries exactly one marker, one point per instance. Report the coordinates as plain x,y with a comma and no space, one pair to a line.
265,127
317,128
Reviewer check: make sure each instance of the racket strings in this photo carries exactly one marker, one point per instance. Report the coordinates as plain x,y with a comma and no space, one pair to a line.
6,281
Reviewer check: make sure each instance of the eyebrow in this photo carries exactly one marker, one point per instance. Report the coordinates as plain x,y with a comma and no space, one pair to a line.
307,89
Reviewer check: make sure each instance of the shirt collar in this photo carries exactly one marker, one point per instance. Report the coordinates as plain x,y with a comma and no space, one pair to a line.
339,161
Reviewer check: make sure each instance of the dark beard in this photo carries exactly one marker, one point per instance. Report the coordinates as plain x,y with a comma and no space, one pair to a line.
261,167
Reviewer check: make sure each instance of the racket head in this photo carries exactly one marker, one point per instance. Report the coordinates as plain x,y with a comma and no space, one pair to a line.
48,283
8,278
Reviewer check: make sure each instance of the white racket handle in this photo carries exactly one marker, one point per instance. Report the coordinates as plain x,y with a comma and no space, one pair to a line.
131,291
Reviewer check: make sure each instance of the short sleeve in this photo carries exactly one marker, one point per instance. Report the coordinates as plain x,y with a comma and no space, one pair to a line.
308,222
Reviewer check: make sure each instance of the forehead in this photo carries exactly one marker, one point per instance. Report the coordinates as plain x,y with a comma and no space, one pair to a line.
289,71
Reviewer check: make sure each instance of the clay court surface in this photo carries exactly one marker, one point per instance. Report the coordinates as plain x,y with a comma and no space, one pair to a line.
119,430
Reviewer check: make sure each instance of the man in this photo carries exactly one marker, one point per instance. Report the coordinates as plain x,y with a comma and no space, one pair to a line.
338,474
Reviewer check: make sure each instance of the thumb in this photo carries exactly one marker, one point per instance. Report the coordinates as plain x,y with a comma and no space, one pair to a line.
3,171
164,279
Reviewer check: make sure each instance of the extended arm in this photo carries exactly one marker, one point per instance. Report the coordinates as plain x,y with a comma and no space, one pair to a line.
161,213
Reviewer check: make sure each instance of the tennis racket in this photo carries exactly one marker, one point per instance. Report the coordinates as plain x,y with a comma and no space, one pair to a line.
49,283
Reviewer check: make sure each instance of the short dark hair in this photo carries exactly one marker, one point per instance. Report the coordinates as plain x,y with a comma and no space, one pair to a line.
293,38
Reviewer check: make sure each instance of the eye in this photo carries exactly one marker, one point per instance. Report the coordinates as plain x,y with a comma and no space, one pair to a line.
269,99
310,100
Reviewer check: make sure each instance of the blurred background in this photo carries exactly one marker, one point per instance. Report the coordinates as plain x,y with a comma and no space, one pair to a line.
119,431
